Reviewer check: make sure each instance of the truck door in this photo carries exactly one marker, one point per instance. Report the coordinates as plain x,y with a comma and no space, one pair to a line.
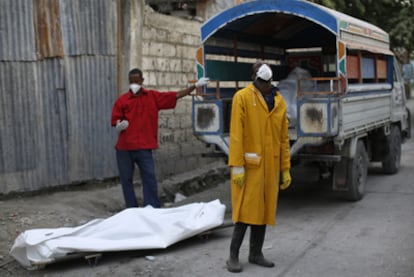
398,101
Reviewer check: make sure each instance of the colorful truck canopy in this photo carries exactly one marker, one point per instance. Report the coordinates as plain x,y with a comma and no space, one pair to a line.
271,22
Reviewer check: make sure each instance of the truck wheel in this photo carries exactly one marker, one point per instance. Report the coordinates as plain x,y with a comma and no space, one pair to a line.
392,161
357,173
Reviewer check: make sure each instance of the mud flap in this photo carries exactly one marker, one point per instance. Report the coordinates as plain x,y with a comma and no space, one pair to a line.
340,175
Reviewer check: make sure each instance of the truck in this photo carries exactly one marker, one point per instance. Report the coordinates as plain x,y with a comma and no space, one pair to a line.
343,86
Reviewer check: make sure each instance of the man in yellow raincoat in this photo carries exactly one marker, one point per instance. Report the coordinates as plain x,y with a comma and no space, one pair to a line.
259,152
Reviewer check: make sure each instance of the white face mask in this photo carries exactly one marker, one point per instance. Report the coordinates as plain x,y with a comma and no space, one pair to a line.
134,88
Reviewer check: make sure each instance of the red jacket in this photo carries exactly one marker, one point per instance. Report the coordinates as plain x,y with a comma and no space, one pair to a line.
141,111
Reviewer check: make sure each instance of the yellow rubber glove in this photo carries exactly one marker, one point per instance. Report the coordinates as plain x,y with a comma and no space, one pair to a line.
237,175
286,179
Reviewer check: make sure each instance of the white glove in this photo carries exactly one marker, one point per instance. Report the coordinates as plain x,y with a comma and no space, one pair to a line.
121,125
202,82
237,175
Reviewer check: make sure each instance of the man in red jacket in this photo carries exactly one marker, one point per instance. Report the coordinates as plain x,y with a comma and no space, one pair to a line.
135,117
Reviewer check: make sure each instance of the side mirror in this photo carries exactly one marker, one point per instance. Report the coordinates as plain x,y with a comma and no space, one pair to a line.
408,72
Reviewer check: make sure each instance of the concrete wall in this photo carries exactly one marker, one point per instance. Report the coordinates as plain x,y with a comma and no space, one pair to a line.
168,62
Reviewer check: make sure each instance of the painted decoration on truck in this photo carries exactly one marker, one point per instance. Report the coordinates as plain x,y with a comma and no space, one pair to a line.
364,37
364,31
200,63
341,52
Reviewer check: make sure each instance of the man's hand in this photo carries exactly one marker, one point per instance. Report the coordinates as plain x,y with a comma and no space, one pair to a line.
237,175
286,179
202,82
121,125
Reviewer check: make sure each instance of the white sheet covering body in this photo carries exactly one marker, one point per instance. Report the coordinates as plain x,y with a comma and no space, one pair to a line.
130,229
289,89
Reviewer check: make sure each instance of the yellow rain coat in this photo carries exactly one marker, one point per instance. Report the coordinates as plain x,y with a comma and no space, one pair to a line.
259,142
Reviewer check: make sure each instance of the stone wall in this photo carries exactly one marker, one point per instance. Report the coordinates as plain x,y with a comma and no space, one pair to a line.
167,59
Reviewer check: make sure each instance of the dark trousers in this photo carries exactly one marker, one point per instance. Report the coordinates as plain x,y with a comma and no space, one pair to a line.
126,162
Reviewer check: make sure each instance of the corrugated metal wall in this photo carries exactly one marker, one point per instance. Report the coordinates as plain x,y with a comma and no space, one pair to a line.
57,86
16,31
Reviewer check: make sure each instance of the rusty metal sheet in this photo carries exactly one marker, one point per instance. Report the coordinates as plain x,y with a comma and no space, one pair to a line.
47,28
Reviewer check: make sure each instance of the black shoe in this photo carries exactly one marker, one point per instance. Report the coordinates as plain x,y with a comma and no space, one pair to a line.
233,265
260,260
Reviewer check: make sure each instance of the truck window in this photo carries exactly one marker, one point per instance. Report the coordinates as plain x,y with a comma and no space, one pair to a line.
366,68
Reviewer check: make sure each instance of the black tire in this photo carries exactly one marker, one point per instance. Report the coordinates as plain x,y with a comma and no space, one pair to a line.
392,161
357,173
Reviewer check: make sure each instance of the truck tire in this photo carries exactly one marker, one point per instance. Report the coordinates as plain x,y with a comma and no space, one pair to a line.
357,173
392,161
